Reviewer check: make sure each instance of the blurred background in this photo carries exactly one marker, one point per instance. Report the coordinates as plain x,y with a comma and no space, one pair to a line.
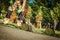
42,16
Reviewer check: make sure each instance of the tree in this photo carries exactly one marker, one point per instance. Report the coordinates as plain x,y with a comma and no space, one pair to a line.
39,18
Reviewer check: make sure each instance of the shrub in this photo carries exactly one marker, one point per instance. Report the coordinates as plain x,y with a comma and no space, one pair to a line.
49,31
26,27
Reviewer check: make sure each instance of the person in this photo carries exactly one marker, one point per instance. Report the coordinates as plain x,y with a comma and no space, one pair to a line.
10,10
6,20
13,15
21,6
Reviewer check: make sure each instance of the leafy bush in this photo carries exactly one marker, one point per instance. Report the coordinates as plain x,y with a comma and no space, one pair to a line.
39,31
26,27
49,31
57,33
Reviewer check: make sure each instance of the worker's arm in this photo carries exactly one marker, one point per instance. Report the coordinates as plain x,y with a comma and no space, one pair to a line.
23,5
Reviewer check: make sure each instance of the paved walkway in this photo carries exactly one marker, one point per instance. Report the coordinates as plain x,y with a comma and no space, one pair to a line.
7,33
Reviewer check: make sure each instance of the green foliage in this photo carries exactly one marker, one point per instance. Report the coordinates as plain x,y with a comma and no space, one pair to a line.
26,27
4,4
57,33
29,13
49,32
13,25
46,14
50,12
39,31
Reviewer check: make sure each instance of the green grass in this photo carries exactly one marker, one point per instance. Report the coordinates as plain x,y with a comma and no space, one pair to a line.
36,30
57,33
13,25
46,32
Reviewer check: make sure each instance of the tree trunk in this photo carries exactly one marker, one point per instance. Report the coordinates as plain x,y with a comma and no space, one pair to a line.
55,24
39,24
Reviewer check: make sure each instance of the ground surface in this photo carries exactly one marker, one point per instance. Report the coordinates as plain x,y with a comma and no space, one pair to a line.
7,33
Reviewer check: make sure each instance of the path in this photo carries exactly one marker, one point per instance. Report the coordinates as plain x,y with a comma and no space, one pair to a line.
7,33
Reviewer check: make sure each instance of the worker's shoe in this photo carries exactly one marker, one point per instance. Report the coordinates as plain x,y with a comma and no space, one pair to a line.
19,23
6,20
